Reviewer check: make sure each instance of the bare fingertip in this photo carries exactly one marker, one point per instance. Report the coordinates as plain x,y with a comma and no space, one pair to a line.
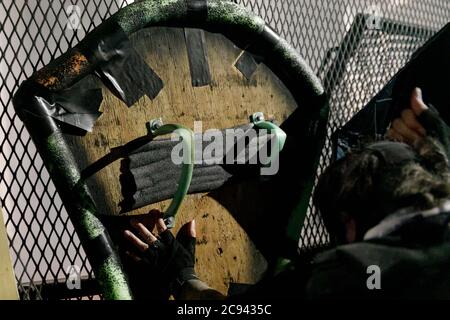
418,93
191,229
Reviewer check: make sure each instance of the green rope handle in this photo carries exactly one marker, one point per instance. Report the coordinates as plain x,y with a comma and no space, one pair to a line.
279,136
187,170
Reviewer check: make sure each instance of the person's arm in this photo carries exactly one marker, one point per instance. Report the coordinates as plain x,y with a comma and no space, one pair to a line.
198,290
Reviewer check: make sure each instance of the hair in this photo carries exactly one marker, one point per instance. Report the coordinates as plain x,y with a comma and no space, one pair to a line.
361,187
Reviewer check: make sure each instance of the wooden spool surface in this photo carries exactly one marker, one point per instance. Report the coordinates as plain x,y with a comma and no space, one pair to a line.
225,253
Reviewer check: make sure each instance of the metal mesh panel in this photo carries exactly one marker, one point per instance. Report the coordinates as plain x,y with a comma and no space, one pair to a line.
42,239
355,46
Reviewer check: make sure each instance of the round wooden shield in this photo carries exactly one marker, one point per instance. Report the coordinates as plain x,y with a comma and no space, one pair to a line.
153,63
225,253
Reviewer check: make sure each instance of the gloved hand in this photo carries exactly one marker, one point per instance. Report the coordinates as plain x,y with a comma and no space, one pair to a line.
420,121
407,128
164,259
436,127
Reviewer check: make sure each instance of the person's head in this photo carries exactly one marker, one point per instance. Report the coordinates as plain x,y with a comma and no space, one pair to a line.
358,191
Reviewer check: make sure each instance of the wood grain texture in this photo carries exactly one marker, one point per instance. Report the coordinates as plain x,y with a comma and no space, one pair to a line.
8,288
225,252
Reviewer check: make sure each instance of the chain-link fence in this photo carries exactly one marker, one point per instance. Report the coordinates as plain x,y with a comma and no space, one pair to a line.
355,46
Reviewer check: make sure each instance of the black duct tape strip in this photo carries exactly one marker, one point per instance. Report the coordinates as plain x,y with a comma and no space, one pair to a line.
76,106
121,68
101,245
198,58
246,64
197,9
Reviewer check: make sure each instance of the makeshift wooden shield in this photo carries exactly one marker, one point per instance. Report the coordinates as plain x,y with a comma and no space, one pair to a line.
182,61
